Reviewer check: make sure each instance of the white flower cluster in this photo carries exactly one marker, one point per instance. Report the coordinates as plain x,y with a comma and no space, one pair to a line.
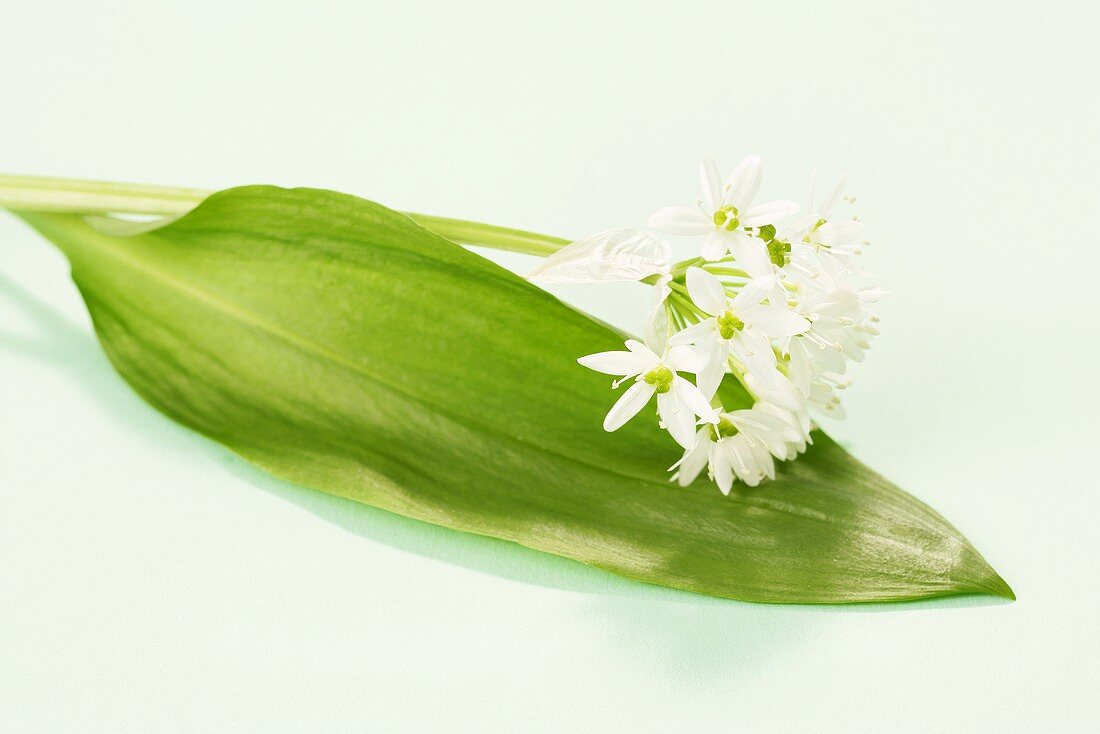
775,298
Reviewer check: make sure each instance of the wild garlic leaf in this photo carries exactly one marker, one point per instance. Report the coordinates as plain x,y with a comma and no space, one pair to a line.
338,344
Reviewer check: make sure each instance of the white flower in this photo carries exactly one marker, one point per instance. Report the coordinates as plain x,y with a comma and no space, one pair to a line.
808,356
742,327
816,350
616,255
782,393
678,401
785,317
823,397
784,400
819,232
799,422
841,315
740,445
726,214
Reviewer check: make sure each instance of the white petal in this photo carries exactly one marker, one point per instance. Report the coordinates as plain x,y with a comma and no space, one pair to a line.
628,406
683,358
836,269
694,399
744,181
686,220
755,353
617,255
828,359
776,322
694,333
853,350
768,212
744,462
721,466
833,196
763,425
645,352
794,230
752,293
839,233
657,321
706,291
677,418
801,364
763,459
710,378
750,253
840,305
661,290
567,265
715,245
783,394
799,421
712,184
694,459
656,326
615,363
778,294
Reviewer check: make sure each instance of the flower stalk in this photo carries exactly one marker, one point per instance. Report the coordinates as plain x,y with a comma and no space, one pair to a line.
77,196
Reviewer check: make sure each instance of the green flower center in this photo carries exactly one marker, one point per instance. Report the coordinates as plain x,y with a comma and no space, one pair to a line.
724,429
729,324
660,377
779,252
726,218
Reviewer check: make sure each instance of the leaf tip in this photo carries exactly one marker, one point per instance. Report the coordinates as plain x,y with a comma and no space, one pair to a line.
989,582
1001,588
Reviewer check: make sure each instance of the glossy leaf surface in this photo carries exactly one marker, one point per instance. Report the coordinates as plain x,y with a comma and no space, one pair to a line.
338,344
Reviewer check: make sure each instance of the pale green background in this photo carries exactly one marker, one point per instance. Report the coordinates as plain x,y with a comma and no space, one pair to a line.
150,581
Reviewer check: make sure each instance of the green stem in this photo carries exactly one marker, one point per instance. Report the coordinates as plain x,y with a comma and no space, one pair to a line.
675,318
74,196
490,235
734,272
681,268
71,196
689,308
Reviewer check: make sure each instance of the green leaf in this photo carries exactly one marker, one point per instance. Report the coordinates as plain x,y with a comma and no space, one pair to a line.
338,344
